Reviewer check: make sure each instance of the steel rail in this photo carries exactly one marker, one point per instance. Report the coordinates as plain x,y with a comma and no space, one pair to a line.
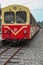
12,56
5,50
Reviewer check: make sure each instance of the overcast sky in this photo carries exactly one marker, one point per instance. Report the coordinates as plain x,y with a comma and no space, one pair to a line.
35,6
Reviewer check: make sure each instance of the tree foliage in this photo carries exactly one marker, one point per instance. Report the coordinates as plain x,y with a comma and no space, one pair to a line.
40,23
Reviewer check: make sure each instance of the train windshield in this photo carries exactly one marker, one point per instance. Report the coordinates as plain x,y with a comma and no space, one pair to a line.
21,17
9,17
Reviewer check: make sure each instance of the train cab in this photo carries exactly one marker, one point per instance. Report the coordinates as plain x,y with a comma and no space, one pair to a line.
18,24
15,22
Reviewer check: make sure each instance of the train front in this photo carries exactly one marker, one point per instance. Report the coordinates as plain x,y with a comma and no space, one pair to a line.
15,23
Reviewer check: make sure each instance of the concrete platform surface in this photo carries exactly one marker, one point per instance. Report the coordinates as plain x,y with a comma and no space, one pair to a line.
0,36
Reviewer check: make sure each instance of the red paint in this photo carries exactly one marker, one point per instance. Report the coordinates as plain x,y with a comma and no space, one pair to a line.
20,35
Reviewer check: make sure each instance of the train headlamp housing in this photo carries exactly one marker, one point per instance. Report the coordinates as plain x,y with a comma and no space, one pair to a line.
5,31
15,7
15,29
25,32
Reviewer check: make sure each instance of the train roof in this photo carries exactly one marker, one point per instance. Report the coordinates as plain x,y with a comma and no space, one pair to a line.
17,6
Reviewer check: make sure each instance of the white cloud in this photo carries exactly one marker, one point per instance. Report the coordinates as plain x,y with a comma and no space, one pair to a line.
31,4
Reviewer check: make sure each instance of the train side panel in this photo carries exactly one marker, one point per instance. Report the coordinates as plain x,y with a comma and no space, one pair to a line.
34,27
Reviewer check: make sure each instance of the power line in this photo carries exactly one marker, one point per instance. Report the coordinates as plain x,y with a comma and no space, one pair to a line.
37,10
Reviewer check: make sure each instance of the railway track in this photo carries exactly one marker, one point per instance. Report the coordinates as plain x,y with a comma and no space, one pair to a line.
8,54
3,49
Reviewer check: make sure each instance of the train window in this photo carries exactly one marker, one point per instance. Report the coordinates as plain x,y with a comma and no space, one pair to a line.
9,17
21,17
32,20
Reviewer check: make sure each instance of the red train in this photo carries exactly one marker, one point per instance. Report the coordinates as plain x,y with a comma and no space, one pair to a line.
18,24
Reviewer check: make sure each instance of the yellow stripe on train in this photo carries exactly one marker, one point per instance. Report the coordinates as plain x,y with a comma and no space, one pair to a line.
15,33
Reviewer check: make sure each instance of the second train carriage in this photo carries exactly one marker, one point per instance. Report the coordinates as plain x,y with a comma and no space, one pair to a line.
18,24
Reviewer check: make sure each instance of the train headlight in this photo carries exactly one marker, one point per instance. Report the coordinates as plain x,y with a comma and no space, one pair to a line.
25,31
5,31
15,29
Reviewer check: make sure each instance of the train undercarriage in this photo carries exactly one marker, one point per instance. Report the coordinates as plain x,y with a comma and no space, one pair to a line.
14,42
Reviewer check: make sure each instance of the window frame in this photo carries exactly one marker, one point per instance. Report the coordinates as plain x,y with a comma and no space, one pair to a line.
10,14
21,21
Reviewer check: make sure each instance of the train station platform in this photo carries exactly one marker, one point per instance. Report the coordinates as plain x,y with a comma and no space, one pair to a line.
0,36
0,40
